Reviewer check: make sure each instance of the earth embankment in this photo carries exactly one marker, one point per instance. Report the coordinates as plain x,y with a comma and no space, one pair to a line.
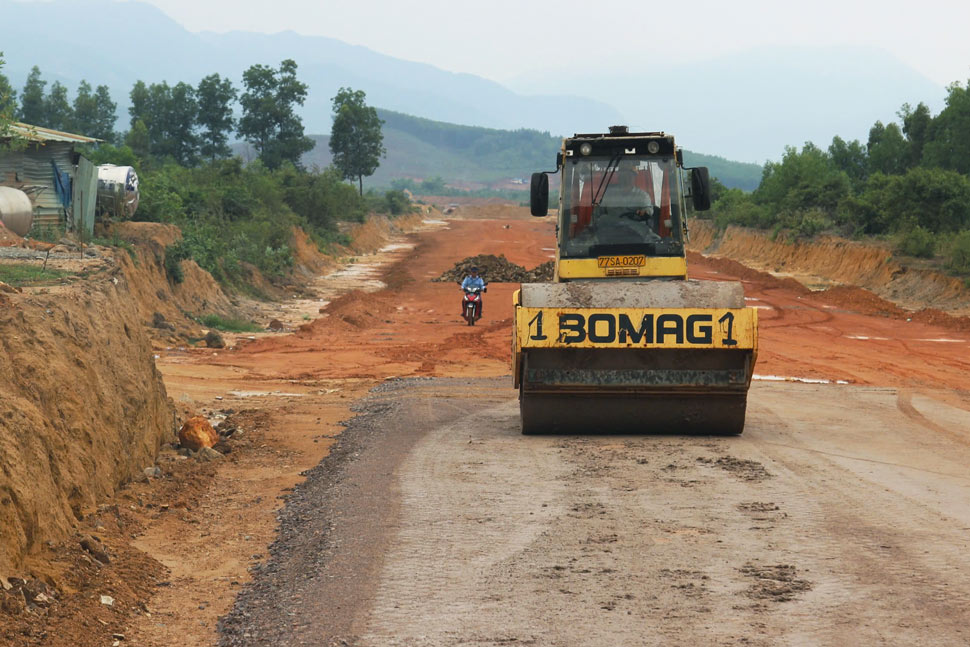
830,261
82,407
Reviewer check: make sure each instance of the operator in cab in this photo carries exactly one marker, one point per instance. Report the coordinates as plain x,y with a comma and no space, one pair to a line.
625,211
625,198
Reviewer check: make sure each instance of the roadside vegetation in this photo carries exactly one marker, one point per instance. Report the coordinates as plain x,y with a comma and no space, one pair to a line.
24,274
233,215
909,184
228,324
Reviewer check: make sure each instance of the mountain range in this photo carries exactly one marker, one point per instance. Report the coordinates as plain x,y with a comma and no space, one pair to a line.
746,106
472,157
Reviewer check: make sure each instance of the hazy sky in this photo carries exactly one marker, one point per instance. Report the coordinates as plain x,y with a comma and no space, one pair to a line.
498,39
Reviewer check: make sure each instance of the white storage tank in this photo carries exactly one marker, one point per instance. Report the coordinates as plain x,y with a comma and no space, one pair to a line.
117,191
16,210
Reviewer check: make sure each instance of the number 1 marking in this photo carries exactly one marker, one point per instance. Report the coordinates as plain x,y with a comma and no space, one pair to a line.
537,321
728,318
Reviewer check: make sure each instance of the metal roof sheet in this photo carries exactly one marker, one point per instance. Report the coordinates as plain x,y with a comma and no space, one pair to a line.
41,134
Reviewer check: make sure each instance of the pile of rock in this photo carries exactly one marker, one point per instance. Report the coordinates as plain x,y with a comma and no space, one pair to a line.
496,269
198,439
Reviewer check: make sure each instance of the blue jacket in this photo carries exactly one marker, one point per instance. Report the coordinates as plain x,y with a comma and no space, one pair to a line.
473,282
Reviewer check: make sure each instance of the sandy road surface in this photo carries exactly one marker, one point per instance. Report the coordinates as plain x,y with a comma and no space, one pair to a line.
441,525
841,516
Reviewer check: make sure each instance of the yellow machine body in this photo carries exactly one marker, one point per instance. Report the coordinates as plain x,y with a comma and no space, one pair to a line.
621,340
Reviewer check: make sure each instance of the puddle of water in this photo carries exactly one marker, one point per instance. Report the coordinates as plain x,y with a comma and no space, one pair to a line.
945,341
804,380
434,222
254,394
394,247
864,337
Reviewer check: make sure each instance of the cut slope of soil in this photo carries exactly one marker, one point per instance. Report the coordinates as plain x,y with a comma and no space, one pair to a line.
835,261
82,408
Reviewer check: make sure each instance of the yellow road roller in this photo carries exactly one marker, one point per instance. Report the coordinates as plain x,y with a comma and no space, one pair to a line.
621,340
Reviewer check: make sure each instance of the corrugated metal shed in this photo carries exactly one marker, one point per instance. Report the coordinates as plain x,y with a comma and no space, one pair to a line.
41,134
30,169
85,195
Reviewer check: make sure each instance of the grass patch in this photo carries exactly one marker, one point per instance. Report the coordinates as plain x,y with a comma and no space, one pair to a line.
22,274
228,324
117,241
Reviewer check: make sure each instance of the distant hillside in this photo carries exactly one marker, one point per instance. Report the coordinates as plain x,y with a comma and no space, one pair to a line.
475,157
136,41
740,175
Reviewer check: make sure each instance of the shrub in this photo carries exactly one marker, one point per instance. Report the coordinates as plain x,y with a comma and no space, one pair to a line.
735,207
229,213
917,242
810,222
174,255
228,324
957,255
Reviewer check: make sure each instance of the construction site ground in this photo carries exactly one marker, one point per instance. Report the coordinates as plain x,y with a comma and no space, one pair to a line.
378,491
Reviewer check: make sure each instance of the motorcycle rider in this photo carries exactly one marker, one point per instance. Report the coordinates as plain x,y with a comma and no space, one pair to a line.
474,281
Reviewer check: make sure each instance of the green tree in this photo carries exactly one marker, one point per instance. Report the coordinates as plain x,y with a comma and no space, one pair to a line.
85,110
8,103
889,152
852,158
356,140
916,126
215,96
320,198
140,108
170,115
938,200
32,99
948,144
182,117
8,96
138,140
58,113
803,180
269,121
106,115
94,112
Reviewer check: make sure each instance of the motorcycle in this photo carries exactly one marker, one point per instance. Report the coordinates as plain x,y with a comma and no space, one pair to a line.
471,305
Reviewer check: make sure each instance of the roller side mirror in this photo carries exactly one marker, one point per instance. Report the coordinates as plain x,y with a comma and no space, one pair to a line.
700,188
539,195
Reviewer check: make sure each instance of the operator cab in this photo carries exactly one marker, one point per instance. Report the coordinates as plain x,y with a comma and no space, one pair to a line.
621,205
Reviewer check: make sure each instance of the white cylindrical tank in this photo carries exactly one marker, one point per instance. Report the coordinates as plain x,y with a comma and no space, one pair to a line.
16,211
117,190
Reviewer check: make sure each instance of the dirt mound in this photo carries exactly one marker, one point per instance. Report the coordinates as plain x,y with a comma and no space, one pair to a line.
82,409
370,236
496,269
8,238
745,273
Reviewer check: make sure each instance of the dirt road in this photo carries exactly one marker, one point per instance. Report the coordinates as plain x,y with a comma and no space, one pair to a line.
840,516
819,525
